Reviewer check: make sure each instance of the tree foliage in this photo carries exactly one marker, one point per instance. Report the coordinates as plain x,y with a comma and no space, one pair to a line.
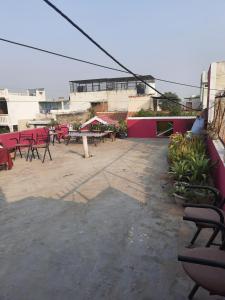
172,106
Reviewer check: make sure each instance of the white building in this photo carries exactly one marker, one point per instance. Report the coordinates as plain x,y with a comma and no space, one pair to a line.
112,94
16,109
216,85
204,89
193,102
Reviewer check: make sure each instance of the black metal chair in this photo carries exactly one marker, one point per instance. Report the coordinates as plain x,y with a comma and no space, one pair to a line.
212,212
206,266
42,142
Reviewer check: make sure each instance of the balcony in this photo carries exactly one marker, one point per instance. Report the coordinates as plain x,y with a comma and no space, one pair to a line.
4,120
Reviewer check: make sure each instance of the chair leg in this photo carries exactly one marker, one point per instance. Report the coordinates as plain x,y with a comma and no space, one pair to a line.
15,153
212,238
193,291
49,153
44,155
32,154
28,152
195,236
20,152
38,156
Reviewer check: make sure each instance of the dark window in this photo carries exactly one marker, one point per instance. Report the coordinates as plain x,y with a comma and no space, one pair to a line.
3,107
140,89
81,88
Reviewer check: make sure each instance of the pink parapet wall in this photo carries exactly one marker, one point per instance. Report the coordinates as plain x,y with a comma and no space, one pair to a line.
218,171
147,127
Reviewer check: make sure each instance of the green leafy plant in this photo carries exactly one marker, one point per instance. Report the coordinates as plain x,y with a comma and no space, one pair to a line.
188,159
4,130
180,170
200,167
53,123
76,126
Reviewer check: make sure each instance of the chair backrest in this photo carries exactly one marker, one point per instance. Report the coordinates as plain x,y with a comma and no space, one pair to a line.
25,136
42,138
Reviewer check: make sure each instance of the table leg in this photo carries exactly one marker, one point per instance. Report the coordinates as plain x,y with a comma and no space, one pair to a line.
85,146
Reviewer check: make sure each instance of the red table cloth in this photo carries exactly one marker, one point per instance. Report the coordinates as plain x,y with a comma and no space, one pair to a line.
5,158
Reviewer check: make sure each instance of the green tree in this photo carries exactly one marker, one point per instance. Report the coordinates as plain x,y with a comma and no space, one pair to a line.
173,106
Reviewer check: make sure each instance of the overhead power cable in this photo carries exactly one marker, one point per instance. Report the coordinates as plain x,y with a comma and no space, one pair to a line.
88,62
59,54
92,63
108,54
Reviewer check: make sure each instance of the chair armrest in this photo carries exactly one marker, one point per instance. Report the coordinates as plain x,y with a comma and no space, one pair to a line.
216,209
201,261
214,191
17,141
218,225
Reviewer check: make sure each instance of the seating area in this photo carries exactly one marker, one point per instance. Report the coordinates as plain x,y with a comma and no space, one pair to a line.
205,265
26,145
36,143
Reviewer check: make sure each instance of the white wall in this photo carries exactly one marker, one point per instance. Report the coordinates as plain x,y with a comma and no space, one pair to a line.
216,83
204,89
22,106
118,100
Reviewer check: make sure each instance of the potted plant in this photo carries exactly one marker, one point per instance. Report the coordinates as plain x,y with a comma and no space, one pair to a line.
122,129
76,126
180,194
95,127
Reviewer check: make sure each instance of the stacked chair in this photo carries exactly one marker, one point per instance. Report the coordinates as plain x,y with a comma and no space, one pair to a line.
206,265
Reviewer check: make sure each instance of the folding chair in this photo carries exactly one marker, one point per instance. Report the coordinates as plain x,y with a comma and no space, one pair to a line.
42,142
23,141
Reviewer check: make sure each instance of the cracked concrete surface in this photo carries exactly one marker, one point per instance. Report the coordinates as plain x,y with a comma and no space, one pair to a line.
98,228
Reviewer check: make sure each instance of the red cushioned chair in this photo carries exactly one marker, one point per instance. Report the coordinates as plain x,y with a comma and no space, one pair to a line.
206,266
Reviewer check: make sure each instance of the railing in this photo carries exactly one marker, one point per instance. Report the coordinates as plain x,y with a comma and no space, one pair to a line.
4,120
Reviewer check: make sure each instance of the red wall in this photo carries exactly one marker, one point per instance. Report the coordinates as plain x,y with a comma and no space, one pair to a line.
219,169
87,127
5,137
147,128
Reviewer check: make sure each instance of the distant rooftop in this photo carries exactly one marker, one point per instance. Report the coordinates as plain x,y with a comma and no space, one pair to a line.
108,84
114,79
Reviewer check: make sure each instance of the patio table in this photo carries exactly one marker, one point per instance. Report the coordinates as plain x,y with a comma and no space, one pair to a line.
85,135
5,158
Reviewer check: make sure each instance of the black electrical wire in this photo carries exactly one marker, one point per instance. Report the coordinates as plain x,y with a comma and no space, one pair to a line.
59,54
88,62
69,57
109,55
92,63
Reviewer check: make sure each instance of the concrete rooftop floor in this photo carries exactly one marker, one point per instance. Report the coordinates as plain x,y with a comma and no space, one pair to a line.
97,228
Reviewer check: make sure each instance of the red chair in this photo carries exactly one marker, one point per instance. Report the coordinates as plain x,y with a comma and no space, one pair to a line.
22,142
5,158
206,266
42,142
